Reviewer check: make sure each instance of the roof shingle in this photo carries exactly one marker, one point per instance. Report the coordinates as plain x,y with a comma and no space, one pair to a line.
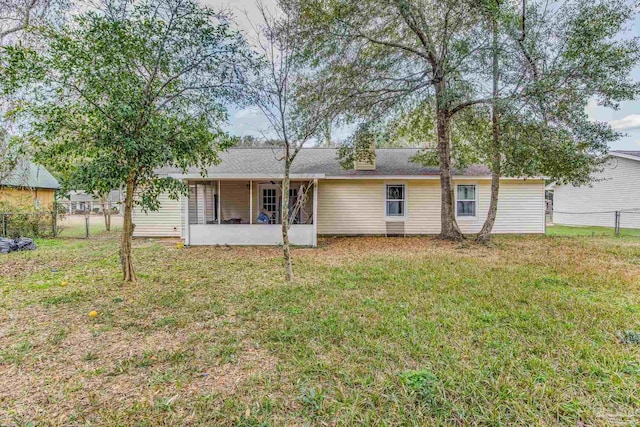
324,161
31,175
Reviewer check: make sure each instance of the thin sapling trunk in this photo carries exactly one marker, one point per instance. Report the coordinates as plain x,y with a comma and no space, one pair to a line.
126,260
106,212
286,246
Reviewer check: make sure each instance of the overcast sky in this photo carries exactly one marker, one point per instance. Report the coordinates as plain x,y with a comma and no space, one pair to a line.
249,121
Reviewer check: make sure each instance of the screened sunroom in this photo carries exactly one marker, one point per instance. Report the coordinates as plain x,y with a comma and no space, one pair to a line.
248,212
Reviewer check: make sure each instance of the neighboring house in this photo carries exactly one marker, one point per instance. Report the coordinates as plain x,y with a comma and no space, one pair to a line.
81,202
29,184
390,196
615,188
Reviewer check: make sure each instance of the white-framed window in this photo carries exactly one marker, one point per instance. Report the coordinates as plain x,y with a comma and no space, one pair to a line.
466,200
395,201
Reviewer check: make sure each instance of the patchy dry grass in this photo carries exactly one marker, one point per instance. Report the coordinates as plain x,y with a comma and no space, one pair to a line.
530,331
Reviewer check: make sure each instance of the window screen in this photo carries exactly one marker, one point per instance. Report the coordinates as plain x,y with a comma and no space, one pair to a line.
466,205
395,200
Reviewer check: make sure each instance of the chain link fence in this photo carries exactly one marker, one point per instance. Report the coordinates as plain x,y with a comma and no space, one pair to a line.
28,224
622,221
54,223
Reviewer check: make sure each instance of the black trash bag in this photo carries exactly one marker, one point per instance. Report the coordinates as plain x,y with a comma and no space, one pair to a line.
25,244
19,244
5,246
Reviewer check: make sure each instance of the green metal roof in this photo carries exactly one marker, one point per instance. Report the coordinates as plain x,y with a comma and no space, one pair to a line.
31,175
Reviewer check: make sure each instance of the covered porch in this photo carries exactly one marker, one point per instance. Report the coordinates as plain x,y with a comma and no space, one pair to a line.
248,212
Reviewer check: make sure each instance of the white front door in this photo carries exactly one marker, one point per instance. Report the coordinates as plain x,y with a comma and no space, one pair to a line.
270,199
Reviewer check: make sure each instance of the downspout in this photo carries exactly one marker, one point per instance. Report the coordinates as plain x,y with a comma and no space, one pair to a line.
315,213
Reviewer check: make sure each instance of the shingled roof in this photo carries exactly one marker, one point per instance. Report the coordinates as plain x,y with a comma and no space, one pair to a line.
30,175
318,161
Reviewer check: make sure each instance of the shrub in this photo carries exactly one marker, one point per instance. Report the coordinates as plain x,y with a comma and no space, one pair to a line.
25,221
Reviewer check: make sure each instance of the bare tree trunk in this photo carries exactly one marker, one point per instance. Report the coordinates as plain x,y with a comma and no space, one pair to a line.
449,229
326,132
128,272
286,247
106,212
485,234
496,162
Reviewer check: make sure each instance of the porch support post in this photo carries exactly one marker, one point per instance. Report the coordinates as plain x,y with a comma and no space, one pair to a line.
250,201
219,204
187,223
315,213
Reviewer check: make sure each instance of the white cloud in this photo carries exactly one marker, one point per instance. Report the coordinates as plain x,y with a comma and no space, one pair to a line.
249,121
591,109
629,122
247,113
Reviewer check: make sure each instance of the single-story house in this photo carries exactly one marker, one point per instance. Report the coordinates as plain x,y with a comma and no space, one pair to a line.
238,201
29,184
81,202
613,189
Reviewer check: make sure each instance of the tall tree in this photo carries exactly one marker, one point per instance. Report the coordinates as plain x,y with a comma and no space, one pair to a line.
294,118
392,56
492,10
129,92
16,17
8,154
564,56
385,55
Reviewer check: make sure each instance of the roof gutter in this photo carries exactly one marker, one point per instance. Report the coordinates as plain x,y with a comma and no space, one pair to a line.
624,156
229,176
199,177
432,177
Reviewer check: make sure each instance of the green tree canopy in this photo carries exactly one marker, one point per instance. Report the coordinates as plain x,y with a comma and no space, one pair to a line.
117,94
389,61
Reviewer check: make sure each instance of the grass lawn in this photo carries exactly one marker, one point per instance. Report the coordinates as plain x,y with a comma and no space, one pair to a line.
74,226
534,330
570,231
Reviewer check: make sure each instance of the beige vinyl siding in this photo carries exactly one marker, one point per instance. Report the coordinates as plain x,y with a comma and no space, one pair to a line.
616,187
520,206
166,222
352,207
423,206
